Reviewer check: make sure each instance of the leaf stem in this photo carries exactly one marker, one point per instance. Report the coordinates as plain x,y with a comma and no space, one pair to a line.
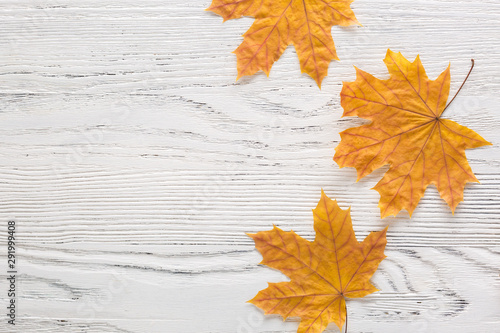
471,67
345,317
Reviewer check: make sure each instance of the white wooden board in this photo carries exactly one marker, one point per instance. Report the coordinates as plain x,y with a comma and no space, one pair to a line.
134,164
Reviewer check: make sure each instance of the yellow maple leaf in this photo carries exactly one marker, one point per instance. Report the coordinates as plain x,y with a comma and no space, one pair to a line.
408,133
323,273
278,23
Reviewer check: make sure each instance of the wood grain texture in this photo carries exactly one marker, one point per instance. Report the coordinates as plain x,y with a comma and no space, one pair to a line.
134,164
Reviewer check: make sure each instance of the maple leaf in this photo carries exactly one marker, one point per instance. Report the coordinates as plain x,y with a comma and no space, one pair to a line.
323,272
408,133
278,23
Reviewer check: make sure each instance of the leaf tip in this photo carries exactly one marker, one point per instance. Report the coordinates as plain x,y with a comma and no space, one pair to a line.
360,176
250,234
384,213
318,82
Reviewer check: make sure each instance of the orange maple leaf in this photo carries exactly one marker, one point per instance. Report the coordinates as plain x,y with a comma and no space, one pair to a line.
278,23
408,133
323,272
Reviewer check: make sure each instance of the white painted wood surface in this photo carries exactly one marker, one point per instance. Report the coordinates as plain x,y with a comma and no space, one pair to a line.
134,164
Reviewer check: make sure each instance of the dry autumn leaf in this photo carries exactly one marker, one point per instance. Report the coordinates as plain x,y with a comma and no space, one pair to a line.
408,133
304,23
323,273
